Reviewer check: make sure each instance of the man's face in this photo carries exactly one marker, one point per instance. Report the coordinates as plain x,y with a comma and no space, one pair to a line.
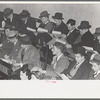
95,66
98,37
78,58
57,21
9,16
44,20
55,50
70,27
82,31
7,32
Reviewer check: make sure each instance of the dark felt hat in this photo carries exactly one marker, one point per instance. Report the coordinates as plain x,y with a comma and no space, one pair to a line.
24,14
25,40
84,25
58,16
10,27
97,32
7,12
43,14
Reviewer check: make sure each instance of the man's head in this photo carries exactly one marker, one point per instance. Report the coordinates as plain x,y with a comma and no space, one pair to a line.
8,13
71,24
80,54
96,63
97,33
58,48
44,16
24,15
58,18
11,33
84,27
25,42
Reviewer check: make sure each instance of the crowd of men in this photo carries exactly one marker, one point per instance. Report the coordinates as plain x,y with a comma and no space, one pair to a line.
50,51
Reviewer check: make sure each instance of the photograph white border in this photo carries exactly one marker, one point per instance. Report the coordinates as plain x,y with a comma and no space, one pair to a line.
49,89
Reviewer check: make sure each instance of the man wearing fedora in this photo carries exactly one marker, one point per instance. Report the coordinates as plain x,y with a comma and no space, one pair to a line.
97,40
10,18
45,37
87,38
45,24
59,24
27,21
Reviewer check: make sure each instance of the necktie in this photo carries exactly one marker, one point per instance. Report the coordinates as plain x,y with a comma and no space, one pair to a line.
22,54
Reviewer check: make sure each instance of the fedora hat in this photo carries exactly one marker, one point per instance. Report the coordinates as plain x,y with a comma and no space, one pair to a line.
7,12
24,14
10,27
97,32
58,16
84,25
25,40
44,14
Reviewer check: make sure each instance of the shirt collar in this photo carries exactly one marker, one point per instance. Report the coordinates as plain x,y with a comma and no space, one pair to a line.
59,57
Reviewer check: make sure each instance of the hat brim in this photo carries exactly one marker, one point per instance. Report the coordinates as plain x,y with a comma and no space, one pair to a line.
44,15
84,27
54,17
12,36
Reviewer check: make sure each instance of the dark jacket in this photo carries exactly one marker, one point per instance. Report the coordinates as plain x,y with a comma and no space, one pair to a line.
87,39
73,36
45,37
82,73
31,23
96,45
62,28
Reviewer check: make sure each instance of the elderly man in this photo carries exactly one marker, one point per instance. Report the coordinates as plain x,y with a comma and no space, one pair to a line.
87,38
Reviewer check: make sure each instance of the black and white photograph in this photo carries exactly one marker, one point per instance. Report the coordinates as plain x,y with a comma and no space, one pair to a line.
49,44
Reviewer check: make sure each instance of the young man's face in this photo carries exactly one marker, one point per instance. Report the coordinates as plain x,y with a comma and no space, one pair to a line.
55,50
7,32
78,58
70,27
95,66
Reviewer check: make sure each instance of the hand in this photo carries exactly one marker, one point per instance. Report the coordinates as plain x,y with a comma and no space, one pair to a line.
34,69
33,77
6,56
0,45
63,36
64,77
68,46
41,70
